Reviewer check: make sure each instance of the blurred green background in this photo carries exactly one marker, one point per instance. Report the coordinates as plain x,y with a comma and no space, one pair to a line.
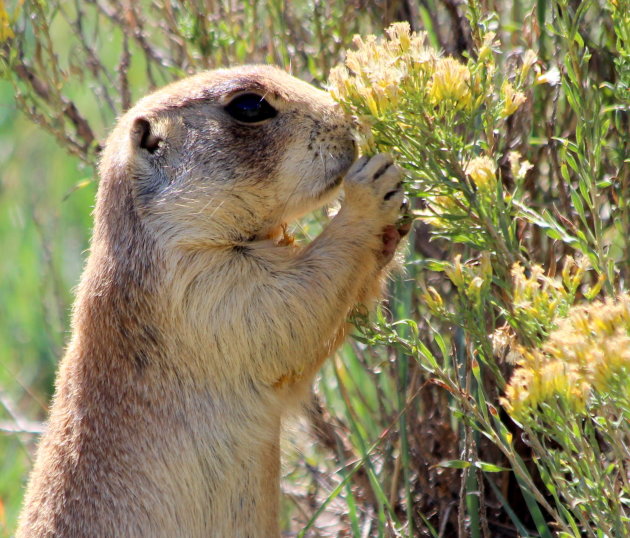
44,231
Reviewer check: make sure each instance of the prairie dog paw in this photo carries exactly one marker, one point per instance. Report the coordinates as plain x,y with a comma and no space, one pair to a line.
391,237
373,186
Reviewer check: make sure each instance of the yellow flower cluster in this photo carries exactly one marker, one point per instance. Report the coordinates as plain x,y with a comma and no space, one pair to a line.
6,31
512,99
375,73
472,278
539,297
589,353
482,170
400,84
380,71
450,84
535,295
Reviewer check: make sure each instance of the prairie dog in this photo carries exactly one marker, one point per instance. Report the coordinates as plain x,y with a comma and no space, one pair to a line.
195,325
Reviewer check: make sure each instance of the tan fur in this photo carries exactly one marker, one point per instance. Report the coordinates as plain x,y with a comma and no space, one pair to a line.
194,326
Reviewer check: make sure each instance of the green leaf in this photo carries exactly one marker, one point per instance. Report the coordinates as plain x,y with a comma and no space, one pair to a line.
454,464
577,203
572,162
436,265
489,467
506,506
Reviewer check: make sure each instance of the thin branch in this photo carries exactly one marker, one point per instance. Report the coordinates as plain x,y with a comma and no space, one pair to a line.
26,426
123,74
135,29
69,109
17,424
93,62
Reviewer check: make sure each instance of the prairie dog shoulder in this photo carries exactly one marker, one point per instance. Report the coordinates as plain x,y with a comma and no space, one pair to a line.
193,326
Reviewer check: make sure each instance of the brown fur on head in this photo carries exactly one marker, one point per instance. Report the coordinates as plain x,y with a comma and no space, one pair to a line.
200,176
192,330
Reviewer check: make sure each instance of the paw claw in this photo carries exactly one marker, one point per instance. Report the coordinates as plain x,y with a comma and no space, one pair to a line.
390,194
381,171
404,207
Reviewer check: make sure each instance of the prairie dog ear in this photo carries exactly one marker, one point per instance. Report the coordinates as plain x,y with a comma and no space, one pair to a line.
143,136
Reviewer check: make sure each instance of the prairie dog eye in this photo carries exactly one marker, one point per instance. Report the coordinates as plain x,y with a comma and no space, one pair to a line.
250,108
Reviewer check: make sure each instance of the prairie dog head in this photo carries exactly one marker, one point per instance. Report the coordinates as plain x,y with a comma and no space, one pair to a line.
228,155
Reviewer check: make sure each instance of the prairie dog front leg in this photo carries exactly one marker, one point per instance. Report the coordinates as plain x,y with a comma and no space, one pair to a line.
373,199
390,233
333,273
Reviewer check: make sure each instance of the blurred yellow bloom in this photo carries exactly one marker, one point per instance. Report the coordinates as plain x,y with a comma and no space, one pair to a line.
482,171
473,277
512,99
486,49
542,381
474,289
450,82
551,77
596,337
455,272
529,59
534,294
433,300
339,82
518,167
6,32
399,34
573,271
485,265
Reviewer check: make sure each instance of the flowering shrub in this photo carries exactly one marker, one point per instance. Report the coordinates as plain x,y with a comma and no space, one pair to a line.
572,397
523,341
